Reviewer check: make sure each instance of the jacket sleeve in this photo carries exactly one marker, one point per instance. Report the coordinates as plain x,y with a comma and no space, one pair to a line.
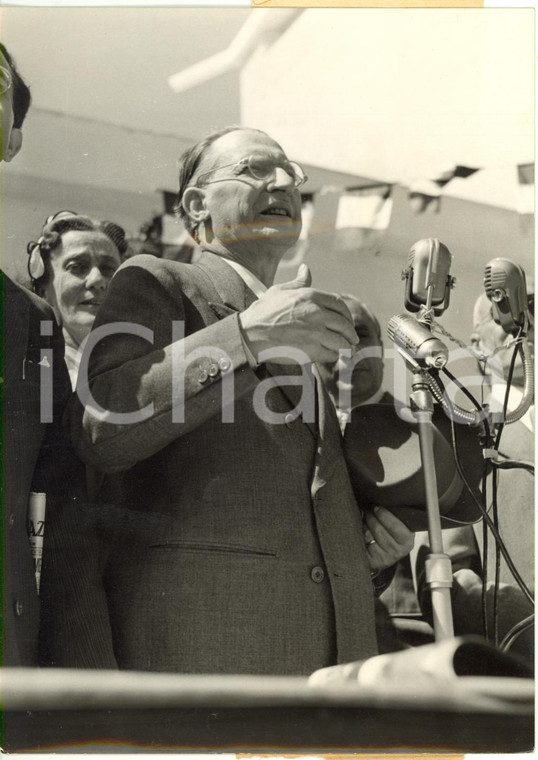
153,369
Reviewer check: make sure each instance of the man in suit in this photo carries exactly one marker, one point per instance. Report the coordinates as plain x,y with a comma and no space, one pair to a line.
37,457
23,430
240,548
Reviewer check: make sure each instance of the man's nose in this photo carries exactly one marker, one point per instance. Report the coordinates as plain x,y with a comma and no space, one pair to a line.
282,180
95,279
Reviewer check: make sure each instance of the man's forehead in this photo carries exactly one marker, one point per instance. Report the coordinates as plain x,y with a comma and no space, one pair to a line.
240,144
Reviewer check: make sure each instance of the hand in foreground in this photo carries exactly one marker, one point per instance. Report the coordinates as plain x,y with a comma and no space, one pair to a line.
387,538
295,315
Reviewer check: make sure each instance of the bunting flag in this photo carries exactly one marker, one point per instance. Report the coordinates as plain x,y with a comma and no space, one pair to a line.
336,218
425,194
363,214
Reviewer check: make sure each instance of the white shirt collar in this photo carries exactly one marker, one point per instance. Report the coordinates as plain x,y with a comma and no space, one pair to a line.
250,280
72,358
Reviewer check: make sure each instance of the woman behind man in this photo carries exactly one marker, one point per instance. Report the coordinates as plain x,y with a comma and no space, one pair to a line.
71,265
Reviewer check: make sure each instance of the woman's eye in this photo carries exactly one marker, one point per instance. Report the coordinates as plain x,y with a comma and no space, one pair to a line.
108,270
76,267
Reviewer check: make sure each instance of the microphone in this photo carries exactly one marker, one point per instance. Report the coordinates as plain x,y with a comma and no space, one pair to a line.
417,342
506,288
428,276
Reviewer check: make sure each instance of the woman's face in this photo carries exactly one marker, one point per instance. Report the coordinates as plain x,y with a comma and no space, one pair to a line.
81,269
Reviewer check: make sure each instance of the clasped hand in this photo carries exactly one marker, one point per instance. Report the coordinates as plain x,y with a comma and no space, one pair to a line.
387,538
296,316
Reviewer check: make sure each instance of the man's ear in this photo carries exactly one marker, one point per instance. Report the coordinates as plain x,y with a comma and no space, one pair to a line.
14,145
193,203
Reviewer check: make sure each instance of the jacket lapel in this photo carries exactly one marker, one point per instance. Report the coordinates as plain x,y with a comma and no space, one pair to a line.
232,295
329,434
231,292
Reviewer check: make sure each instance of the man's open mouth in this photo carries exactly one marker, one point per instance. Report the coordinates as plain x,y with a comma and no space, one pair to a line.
277,211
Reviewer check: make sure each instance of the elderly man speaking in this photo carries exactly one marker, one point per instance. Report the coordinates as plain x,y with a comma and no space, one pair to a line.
239,545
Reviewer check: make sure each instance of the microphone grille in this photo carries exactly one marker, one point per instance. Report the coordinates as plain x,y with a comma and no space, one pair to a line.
494,277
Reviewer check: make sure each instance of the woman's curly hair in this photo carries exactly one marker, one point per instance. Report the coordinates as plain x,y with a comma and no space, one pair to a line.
51,237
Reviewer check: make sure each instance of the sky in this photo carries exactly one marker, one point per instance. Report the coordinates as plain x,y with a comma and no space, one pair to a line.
474,84
112,64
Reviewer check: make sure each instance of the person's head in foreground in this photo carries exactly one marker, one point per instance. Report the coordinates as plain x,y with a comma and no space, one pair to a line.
361,376
71,266
14,102
239,197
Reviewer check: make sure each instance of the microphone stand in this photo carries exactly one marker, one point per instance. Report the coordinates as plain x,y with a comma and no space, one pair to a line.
438,564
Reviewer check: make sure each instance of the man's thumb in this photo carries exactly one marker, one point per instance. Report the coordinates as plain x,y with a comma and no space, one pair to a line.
303,279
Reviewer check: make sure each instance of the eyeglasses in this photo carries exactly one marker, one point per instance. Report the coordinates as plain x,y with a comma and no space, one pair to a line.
260,168
6,79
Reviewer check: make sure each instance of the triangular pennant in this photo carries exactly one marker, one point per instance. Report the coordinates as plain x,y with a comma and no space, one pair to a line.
368,209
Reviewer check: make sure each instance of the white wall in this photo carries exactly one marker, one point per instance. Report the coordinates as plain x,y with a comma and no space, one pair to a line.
389,94
396,94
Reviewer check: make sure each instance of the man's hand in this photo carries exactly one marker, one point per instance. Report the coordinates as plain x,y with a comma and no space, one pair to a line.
294,314
387,538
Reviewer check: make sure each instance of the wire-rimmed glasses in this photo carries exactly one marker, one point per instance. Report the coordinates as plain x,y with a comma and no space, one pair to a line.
261,168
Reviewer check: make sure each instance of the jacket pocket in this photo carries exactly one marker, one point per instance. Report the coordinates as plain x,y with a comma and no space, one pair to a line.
208,546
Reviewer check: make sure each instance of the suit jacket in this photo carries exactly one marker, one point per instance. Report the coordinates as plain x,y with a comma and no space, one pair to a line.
238,545
29,446
53,628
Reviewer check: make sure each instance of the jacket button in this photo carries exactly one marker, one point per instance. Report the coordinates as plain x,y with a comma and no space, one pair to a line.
213,370
202,377
317,574
11,520
18,607
224,364
289,418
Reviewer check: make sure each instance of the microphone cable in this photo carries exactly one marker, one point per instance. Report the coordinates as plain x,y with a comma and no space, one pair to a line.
508,387
494,486
515,632
521,583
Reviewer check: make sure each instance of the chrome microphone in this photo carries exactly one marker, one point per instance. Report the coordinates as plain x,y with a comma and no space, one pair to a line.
427,275
416,340
506,288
